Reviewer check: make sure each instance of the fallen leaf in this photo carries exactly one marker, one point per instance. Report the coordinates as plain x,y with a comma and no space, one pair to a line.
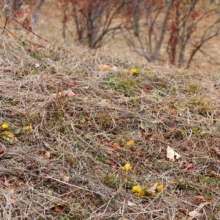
68,93
37,65
58,209
115,145
13,199
172,155
194,214
47,155
129,143
107,68
131,204
202,199
189,166
112,164
199,198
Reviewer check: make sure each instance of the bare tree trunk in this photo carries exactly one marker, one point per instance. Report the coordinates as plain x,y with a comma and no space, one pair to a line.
36,13
136,17
163,28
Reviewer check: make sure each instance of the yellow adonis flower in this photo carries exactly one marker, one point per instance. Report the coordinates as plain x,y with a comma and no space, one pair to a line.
27,128
159,187
5,126
134,71
137,190
127,166
7,135
140,193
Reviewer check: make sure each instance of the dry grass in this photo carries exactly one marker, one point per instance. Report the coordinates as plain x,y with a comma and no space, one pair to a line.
68,167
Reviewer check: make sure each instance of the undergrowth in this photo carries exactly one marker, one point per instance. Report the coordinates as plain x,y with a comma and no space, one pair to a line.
79,138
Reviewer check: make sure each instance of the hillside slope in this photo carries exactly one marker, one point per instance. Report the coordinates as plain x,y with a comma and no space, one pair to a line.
82,140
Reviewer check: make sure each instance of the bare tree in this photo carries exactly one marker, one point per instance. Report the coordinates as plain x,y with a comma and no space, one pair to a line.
156,23
177,26
94,20
36,13
184,36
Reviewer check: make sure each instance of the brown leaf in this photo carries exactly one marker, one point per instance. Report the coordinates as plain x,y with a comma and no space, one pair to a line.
115,145
200,199
13,199
68,93
189,166
107,68
47,155
194,214
58,209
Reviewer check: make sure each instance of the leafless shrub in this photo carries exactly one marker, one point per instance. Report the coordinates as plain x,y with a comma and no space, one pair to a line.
175,25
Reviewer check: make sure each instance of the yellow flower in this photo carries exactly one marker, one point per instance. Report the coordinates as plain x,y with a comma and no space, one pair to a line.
7,135
137,190
27,128
159,187
5,126
141,193
127,166
125,70
133,71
